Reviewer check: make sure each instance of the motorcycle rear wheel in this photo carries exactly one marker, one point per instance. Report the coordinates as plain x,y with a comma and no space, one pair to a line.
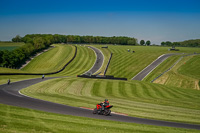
107,112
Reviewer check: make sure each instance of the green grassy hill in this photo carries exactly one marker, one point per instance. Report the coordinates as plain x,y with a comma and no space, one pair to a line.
134,98
20,120
51,61
171,101
128,64
185,74
84,60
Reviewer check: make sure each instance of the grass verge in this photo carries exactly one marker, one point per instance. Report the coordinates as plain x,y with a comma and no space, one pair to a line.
135,98
185,74
20,120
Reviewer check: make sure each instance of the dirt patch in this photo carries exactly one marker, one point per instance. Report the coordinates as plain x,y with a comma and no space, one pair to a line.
197,85
162,79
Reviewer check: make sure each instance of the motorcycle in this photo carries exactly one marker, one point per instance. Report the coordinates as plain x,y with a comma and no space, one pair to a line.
106,111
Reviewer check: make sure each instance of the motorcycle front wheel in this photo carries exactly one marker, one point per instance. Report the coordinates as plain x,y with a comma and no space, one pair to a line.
95,111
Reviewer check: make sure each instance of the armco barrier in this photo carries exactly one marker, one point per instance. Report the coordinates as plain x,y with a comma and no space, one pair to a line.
101,77
108,64
44,73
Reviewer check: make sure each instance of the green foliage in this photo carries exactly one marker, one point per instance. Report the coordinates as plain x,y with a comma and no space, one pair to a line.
142,42
17,39
148,43
17,56
80,39
187,43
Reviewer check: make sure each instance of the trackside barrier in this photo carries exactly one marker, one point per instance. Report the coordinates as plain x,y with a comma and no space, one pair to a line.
75,53
101,77
107,64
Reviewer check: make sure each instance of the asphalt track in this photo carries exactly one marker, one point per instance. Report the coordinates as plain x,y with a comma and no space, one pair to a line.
99,61
9,94
141,75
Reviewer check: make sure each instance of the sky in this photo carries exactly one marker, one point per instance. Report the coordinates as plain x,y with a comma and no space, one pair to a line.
154,20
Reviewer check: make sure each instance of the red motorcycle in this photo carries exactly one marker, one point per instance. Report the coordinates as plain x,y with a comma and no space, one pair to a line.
101,109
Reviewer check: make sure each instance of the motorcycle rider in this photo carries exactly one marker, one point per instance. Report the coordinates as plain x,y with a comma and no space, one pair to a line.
104,104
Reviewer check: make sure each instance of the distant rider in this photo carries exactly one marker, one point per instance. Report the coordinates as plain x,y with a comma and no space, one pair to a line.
8,81
43,76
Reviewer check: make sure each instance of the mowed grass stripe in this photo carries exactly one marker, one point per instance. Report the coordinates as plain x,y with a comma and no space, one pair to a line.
142,102
174,78
128,64
83,62
27,120
161,68
52,60
191,67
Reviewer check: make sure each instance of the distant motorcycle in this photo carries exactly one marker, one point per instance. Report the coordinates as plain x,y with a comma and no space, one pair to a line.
99,110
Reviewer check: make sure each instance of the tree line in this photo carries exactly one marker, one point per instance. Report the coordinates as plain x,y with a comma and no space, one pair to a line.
70,39
187,43
37,42
17,57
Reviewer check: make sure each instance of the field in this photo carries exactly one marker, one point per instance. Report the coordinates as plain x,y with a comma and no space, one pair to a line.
184,74
172,97
84,60
60,54
20,120
127,64
134,98
10,45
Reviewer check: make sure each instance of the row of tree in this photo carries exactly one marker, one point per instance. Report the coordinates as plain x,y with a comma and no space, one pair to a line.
17,57
49,39
142,42
187,43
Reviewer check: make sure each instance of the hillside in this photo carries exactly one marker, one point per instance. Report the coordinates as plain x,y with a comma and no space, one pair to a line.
168,102
185,74
134,98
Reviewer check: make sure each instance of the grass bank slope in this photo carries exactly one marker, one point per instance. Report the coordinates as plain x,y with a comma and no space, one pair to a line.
136,98
169,62
51,61
185,74
128,64
20,120
84,60
191,68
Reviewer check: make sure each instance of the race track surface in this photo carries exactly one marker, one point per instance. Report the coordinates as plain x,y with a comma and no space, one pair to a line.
9,94
141,75
99,61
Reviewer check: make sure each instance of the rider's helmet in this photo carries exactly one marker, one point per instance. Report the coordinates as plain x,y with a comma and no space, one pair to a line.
106,100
